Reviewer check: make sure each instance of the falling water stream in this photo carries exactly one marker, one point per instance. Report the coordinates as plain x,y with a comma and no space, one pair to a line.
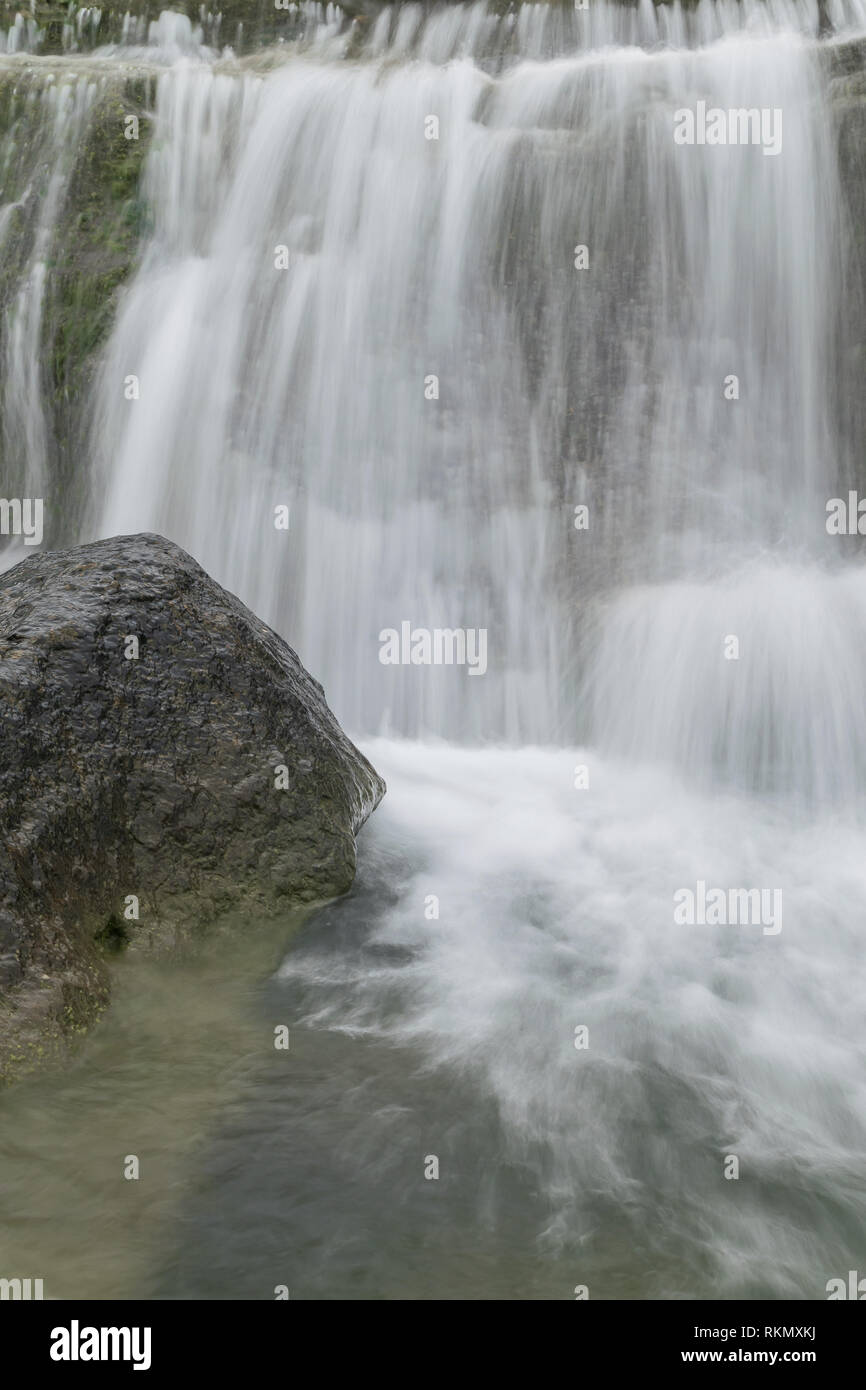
312,261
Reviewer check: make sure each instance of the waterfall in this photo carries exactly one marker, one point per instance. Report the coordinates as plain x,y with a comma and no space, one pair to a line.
433,322
406,258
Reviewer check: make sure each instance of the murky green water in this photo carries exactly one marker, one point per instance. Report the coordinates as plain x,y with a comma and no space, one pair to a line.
175,1047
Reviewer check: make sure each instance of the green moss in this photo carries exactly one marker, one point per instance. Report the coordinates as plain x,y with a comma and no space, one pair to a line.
95,247
26,1045
113,937
97,240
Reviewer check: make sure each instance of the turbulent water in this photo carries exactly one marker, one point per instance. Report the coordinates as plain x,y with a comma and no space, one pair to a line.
674,690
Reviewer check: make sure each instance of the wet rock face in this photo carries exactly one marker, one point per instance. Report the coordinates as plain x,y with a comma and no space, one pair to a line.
164,759
847,91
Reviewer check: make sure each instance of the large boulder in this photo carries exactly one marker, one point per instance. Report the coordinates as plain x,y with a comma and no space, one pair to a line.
158,743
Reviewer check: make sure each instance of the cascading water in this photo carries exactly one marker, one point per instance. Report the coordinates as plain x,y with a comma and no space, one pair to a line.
36,174
408,258
314,261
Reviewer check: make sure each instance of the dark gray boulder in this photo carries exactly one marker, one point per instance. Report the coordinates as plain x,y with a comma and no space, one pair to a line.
202,776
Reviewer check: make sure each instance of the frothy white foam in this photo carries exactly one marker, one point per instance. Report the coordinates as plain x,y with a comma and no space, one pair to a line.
556,911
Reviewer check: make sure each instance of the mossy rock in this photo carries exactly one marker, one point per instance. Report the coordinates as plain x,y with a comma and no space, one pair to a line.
95,249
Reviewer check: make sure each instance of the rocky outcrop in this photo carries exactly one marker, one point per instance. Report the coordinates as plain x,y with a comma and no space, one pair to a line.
164,759
48,27
73,217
